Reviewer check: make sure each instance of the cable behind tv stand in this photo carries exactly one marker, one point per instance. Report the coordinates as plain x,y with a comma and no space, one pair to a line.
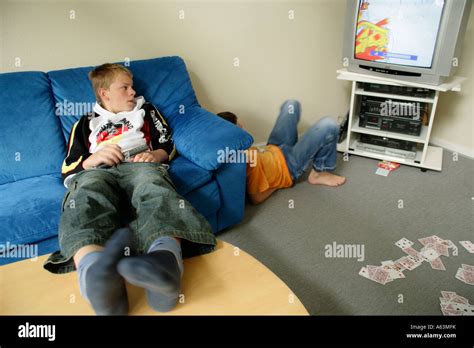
397,136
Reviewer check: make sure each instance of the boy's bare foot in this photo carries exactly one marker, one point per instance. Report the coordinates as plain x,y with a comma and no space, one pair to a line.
325,178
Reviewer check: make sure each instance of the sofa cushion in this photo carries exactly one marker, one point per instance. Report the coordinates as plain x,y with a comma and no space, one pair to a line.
31,141
73,96
30,209
208,140
187,176
165,83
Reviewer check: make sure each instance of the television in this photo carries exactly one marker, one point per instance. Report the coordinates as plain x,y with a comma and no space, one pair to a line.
408,40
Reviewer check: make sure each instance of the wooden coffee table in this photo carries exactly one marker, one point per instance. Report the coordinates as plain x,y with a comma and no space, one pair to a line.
227,281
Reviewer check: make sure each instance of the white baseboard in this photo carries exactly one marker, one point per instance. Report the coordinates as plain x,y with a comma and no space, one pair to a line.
463,150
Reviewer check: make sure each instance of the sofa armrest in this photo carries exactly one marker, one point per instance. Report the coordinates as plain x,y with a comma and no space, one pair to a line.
231,179
201,137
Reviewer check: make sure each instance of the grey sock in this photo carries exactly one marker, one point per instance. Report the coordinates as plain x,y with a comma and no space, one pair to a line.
82,268
158,272
99,280
169,244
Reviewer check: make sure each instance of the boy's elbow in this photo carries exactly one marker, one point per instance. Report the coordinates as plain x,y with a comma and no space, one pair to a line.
256,198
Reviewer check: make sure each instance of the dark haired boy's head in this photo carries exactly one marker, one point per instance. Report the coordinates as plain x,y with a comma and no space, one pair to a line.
229,116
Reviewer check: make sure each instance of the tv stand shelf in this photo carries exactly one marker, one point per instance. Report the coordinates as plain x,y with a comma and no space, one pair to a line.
426,156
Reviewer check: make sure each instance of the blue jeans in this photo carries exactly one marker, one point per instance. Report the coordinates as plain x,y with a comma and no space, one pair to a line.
316,147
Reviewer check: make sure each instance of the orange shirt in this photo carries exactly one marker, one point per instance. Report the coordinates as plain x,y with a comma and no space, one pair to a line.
266,169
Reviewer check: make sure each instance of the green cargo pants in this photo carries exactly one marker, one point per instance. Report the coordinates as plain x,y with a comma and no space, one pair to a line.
140,195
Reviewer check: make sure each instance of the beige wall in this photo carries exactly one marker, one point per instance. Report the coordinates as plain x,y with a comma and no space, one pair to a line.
2,30
454,122
279,58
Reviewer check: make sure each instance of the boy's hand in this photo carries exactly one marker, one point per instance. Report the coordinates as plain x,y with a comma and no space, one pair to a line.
156,156
109,154
144,157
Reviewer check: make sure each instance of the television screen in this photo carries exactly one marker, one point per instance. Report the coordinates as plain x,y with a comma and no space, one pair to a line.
402,32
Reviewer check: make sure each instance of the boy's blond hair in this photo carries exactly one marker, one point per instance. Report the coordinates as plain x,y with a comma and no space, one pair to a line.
103,76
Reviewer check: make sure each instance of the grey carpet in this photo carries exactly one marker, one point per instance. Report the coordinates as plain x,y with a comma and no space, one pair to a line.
291,242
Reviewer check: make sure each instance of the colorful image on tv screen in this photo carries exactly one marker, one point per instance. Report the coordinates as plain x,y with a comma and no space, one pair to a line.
402,32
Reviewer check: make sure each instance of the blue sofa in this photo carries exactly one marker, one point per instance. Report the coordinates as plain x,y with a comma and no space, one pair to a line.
38,110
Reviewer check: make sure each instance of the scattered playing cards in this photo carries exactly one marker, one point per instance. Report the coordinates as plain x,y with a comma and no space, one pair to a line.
453,304
465,274
431,252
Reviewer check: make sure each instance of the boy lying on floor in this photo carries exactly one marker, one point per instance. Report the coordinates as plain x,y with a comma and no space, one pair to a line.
285,158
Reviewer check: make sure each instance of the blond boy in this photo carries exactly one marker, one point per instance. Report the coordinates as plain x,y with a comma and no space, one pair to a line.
116,173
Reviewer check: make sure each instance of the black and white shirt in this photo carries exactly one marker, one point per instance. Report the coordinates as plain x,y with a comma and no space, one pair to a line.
144,125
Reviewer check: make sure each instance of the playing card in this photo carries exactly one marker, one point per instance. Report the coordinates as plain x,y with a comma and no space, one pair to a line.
374,274
382,172
448,294
441,248
404,243
460,275
465,309
453,304
459,299
429,254
427,240
468,245
443,300
437,264
390,166
387,262
410,251
399,265
390,267
468,276
371,269
377,274
448,309
393,272
467,267
417,261
410,263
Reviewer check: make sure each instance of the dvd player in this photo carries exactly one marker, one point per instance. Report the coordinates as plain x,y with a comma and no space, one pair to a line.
386,151
387,146
400,90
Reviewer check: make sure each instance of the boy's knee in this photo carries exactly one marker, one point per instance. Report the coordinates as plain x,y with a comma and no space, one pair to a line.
329,123
291,106
326,127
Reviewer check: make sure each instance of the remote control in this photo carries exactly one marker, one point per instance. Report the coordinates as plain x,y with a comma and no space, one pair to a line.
128,154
